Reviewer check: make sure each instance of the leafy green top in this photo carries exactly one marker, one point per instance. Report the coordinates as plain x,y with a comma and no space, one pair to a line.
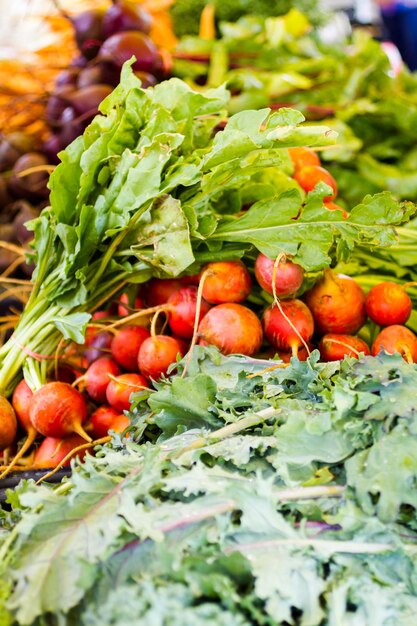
283,496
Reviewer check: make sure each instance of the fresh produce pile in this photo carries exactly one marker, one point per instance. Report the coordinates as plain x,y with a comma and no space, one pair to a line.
250,496
281,61
192,336
154,189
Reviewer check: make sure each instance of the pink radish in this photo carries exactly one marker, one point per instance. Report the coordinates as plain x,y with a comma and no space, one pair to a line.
288,276
233,328
288,335
58,410
97,377
182,311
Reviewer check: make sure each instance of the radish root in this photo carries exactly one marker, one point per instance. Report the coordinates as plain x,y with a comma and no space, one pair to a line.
280,258
84,446
29,441
194,338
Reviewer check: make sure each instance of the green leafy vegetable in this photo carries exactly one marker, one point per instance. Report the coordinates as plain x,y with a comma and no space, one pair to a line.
151,189
298,509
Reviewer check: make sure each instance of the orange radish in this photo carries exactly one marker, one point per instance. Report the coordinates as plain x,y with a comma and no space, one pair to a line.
301,157
337,303
120,389
226,281
396,338
125,346
387,303
289,326
8,424
310,175
57,410
102,420
332,206
157,353
334,347
21,402
120,423
233,328
53,450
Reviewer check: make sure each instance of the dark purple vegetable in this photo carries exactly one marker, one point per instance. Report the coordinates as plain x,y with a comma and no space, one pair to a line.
88,32
122,16
71,127
90,76
26,212
122,46
86,100
30,186
67,77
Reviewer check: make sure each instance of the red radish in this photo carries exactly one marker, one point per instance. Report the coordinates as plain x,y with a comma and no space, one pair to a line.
283,335
120,423
102,420
158,290
53,450
288,277
97,377
57,410
387,303
124,311
21,402
182,311
332,206
226,281
121,388
8,424
233,328
191,279
396,338
337,303
301,157
334,347
126,344
308,177
157,353
302,354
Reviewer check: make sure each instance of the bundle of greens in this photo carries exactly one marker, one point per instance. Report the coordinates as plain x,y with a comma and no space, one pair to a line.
270,497
281,61
151,189
186,14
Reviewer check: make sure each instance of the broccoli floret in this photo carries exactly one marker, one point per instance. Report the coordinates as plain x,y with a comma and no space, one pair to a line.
186,13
